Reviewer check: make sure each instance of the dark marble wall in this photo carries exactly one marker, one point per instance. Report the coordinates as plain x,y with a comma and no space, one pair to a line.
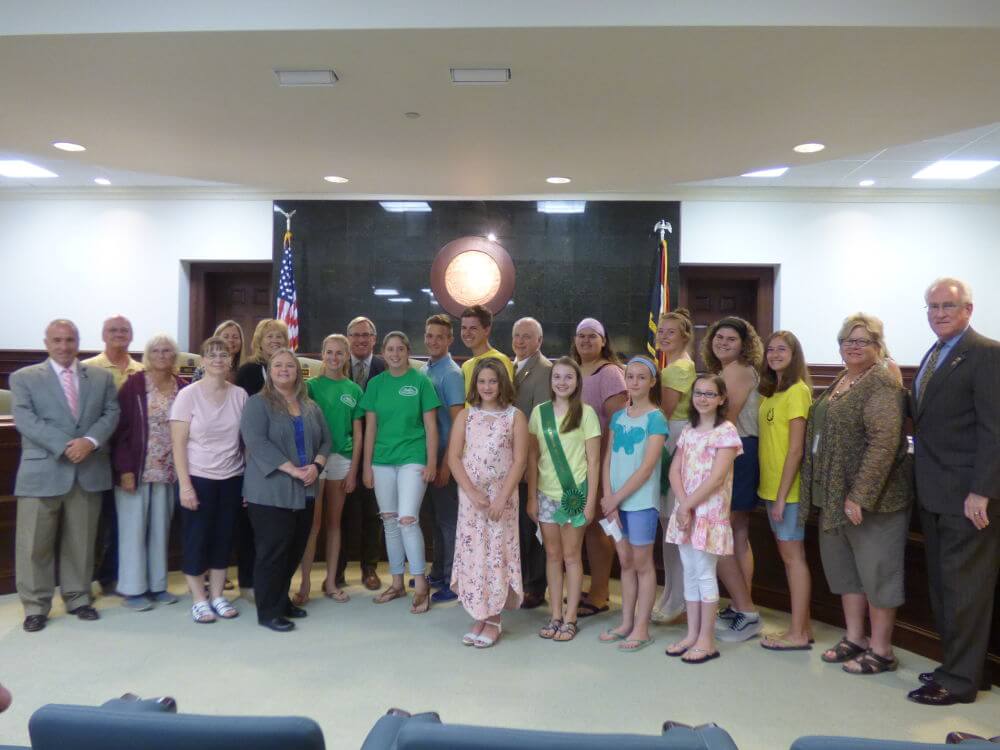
568,266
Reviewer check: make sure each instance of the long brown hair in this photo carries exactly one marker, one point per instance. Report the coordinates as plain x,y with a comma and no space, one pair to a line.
797,370
506,395
574,414
751,352
606,352
720,413
241,356
271,394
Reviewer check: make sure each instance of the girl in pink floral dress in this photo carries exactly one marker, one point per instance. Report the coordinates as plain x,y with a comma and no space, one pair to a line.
487,456
701,476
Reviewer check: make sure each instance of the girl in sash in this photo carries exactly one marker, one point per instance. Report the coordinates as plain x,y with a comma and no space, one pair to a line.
632,497
564,457
487,454
701,476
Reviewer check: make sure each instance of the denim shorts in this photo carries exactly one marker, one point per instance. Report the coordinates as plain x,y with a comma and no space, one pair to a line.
639,526
788,530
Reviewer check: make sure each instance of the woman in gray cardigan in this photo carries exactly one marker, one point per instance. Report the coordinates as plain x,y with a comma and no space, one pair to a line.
287,442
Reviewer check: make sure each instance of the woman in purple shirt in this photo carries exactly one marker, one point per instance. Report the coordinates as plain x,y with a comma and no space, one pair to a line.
604,392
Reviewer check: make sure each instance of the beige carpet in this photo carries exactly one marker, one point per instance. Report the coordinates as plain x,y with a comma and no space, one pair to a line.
347,663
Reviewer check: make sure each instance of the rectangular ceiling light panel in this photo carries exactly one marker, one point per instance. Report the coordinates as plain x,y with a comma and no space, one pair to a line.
21,168
955,169
480,76
776,172
399,207
562,207
306,77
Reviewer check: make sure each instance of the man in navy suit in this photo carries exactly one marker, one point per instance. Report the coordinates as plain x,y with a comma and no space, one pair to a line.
65,412
956,416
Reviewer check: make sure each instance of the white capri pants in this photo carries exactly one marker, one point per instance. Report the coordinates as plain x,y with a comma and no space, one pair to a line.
400,490
143,531
700,583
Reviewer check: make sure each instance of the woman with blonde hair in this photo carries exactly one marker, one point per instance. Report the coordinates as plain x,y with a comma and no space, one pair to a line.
232,333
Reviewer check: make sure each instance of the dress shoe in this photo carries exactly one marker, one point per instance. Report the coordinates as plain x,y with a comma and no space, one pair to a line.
935,695
926,678
279,625
295,613
370,579
86,612
34,623
531,601
957,738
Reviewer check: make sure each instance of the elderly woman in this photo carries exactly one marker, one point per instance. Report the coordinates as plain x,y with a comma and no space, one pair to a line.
143,464
674,336
604,392
269,336
858,474
208,457
287,443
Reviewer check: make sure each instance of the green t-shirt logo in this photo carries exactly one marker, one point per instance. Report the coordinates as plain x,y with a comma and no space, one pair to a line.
349,400
408,390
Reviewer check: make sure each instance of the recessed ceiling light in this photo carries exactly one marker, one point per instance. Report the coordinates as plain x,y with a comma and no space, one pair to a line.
335,179
562,207
809,148
21,168
306,77
480,76
775,172
557,180
400,299
102,180
398,207
866,183
955,169
386,292
67,146
491,237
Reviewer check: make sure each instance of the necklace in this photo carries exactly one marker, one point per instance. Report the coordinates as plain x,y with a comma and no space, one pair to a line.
840,390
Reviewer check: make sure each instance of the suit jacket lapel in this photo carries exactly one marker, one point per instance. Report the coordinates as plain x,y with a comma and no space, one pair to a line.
86,387
530,362
955,357
51,381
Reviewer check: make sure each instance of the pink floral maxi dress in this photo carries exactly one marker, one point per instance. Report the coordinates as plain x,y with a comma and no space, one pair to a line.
709,530
486,573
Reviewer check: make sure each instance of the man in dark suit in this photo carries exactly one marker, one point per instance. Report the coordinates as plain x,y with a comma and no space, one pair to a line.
532,372
361,510
956,408
65,412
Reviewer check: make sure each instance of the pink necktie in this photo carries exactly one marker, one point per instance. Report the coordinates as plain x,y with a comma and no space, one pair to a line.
69,388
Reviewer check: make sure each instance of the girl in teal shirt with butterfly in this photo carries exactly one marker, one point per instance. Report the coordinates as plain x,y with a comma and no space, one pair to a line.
564,464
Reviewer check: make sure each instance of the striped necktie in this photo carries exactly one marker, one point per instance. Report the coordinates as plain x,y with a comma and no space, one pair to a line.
72,395
925,377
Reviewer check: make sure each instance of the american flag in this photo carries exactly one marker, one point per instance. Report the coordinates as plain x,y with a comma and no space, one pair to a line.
287,304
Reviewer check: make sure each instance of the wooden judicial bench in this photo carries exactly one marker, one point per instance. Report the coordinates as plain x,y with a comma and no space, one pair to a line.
914,625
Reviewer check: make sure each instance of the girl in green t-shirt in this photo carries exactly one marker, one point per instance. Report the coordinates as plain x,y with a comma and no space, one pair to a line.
786,392
400,435
339,399
562,488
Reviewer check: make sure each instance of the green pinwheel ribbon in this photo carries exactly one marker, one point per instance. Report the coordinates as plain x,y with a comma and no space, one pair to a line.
574,496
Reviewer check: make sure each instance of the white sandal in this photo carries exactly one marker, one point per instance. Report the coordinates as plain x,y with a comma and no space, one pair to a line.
483,641
201,613
224,609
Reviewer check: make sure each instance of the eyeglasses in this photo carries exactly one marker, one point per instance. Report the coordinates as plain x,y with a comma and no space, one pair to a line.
217,355
945,307
856,343
706,394
361,335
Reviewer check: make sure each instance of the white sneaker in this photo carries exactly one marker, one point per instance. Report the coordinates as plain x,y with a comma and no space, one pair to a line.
725,618
742,628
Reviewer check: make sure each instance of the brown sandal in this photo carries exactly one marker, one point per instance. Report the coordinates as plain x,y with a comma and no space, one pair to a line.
388,595
843,651
299,599
871,663
338,596
421,603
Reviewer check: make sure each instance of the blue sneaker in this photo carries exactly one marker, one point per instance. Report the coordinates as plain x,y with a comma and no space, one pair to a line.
445,594
432,581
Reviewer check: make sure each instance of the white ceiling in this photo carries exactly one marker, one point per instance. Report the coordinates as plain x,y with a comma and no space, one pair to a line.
685,95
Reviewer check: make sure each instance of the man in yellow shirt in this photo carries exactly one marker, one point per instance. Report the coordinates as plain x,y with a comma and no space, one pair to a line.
117,336
477,322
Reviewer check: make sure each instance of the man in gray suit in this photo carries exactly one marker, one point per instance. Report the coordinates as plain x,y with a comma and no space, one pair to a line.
956,417
65,412
532,372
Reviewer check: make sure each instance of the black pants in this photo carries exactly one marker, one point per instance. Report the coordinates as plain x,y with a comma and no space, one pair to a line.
280,536
207,533
962,565
445,503
532,553
246,556
106,553
361,521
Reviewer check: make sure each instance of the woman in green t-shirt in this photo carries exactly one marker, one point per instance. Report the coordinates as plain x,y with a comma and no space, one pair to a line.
674,336
400,434
339,398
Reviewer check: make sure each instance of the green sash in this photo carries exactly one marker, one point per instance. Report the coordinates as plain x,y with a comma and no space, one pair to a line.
574,496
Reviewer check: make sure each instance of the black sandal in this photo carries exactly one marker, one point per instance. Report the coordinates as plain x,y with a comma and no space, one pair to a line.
872,663
586,609
843,651
567,627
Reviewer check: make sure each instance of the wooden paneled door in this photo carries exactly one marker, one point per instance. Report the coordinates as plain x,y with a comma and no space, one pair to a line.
713,292
229,291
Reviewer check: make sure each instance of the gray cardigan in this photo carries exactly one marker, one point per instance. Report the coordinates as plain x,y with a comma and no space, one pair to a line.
269,437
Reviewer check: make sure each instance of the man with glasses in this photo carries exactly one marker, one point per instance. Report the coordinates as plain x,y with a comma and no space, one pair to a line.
361,509
956,417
